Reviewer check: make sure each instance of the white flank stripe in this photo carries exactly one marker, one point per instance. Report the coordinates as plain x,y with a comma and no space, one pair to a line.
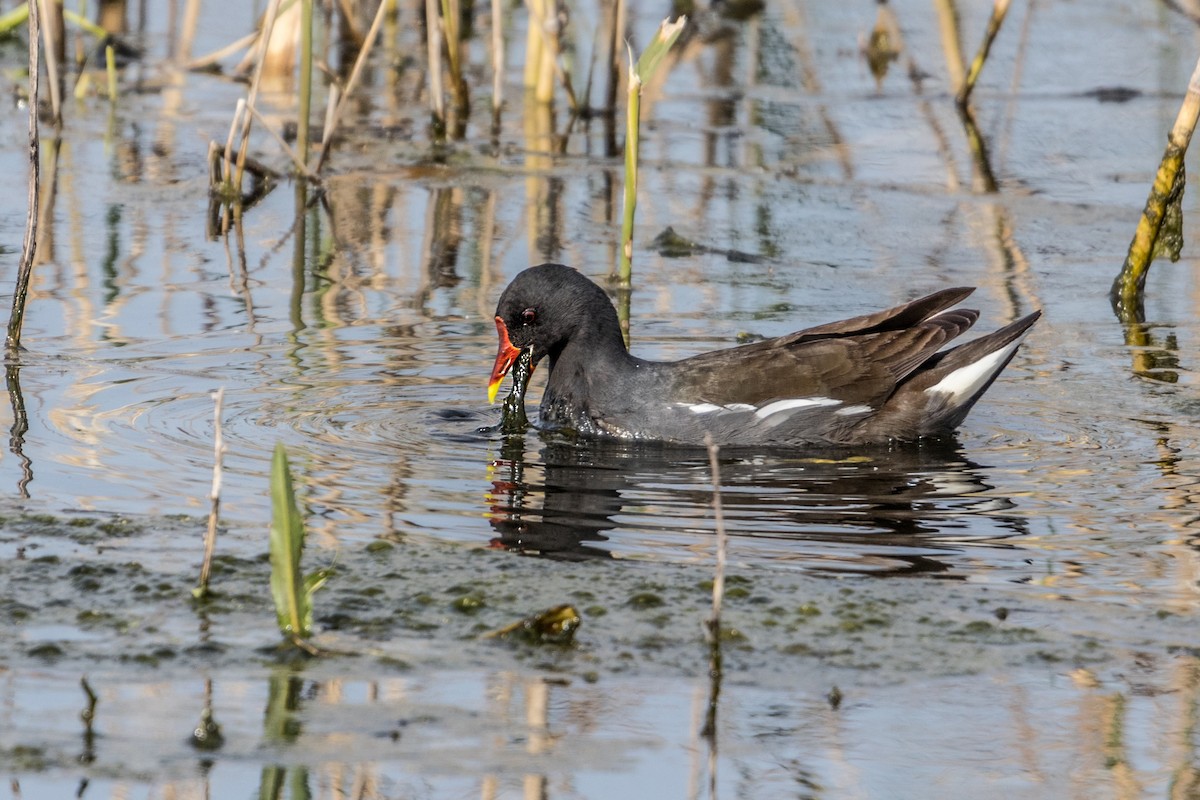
708,408
799,402
703,408
964,382
850,410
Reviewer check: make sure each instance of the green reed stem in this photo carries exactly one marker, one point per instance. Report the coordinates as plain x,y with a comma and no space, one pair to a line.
625,273
639,74
999,11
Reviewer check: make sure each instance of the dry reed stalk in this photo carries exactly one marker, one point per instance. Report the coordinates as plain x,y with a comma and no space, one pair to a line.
252,95
334,117
301,167
497,64
615,53
452,32
187,33
533,43
29,245
437,104
544,17
234,125
214,496
1127,288
999,11
306,65
206,61
52,65
948,27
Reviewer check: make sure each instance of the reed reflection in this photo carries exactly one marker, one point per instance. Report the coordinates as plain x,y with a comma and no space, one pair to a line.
898,511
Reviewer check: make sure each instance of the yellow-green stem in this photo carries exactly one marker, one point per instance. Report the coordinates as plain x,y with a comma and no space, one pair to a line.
999,10
1127,288
625,273
110,66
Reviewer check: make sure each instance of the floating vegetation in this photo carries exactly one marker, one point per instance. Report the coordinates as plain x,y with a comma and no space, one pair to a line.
512,414
555,625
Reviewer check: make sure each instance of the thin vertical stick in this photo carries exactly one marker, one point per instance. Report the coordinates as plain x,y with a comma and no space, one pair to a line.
214,496
533,43
191,17
29,245
110,68
234,125
714,622
252,97
306,65
335,115
497,64
48,41
433,42
633,109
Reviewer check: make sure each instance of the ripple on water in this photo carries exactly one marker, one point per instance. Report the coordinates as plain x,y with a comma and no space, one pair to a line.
384,438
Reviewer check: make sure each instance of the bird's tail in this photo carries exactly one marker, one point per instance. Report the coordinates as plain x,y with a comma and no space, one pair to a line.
936,398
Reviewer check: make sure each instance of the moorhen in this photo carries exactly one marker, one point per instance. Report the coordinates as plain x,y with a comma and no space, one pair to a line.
872,379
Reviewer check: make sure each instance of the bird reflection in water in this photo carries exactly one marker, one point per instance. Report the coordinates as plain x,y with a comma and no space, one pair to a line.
884,511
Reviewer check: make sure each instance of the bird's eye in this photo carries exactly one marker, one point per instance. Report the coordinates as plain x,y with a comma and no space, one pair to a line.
529,316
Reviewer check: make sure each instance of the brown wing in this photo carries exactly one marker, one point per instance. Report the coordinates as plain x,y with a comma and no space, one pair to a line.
857,361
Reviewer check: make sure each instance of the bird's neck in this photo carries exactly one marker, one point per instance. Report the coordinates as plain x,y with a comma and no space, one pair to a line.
593,355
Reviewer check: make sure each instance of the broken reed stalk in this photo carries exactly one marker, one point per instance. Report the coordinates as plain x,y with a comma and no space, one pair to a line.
713,626
639,73
301,168
214,497
999,10
335,116
437,104
251,98
205,61
1127,289
29,246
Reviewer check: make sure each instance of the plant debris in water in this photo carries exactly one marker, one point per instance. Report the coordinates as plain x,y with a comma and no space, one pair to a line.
512,414
670,244
553,626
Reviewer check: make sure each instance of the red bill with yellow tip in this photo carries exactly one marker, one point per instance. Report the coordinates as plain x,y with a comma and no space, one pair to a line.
505,357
